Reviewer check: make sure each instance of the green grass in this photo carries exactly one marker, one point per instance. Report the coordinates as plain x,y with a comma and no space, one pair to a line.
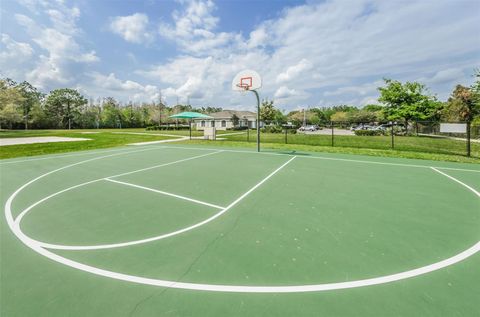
104,139
405,146
344,150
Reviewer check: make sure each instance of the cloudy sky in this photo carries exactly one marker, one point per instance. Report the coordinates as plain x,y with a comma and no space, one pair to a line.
309,53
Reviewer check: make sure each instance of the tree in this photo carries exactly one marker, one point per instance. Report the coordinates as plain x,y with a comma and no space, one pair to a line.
10,114
362,116
407,101
208,110
11,100
464,100
111,113
340,116
279,117
235,120
462,105
267,111
64,104
39,118
31,97
321,115
373,108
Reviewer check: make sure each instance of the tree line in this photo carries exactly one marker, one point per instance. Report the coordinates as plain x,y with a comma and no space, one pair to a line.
23,106
405,102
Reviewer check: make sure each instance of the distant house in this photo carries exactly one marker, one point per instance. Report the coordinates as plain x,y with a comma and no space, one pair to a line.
223,120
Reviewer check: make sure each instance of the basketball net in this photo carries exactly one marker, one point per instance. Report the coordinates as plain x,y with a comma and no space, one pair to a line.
244,88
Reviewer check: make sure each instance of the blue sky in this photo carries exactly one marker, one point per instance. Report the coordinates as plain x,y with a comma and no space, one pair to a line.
309,53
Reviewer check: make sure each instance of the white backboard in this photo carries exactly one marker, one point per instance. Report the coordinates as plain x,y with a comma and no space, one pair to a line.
453,127
247,80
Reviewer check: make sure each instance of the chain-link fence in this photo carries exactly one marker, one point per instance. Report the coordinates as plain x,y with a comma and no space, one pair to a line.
424,136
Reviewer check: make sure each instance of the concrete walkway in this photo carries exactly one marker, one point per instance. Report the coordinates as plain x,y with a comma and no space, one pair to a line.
42,139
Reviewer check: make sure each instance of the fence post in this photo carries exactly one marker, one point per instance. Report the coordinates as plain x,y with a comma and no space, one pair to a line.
468,138
248,134
286,132
331,124
391,132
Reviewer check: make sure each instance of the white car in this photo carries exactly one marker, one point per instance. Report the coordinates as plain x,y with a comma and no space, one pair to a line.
310,128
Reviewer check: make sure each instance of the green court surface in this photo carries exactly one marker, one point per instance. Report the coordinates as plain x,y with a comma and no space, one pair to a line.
196,231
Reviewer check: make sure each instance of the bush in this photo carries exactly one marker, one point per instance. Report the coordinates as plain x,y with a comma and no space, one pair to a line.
163,127
238,128
272,129
368,132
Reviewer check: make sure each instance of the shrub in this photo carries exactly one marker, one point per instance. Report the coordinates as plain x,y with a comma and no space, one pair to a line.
180,127
368,132
238,128
272,129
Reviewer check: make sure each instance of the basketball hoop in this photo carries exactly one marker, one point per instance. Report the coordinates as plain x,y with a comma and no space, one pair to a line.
246,80
249,80
244,87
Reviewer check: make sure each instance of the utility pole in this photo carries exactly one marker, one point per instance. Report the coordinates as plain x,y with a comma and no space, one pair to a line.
304,118
160,110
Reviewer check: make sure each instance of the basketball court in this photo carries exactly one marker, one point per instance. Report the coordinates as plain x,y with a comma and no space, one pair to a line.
169,229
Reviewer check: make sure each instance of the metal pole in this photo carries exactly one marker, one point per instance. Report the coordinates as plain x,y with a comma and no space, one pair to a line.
331,124
286,131
248,133
258,119
190,129
468,138
393,138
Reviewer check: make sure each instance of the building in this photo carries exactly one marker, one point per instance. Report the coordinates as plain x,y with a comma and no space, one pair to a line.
223,120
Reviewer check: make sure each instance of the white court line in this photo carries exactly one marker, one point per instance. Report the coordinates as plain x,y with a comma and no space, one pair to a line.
252,152
165,164
239,288
24,212
165,193
456,180
67,155
325,158
130,243
158,142
154,134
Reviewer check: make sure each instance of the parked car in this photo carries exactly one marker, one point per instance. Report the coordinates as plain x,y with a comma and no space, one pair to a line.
309,128
382,127
362,127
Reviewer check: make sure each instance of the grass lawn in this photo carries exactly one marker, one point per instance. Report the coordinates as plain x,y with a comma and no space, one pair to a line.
346,150
104,139
405,147
410,147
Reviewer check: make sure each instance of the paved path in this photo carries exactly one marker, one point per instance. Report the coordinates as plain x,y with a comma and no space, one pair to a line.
42,139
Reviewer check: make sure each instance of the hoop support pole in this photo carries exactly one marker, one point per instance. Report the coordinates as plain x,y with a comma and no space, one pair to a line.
258,118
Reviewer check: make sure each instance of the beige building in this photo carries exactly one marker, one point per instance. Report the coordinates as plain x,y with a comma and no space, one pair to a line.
223,120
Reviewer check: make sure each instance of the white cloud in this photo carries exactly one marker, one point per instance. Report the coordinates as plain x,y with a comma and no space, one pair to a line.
59,45
14,52
360,89
334,51
258,37
132,28
294,71
447,75
284,92
104,85
194,29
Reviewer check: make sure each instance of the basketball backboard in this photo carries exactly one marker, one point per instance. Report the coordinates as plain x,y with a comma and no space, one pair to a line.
246,80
